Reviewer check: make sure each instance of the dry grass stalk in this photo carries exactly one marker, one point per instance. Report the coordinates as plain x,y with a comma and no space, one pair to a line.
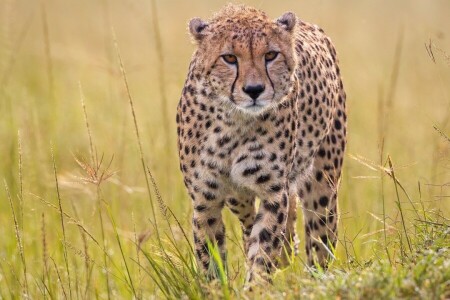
44,251
18,239
165,211
136,129
431,47
59,278
14,276
91,145
162,205
441,133
71,219
161,75
48,52
61,214
137,256
80,253
130,278
391,166
388,171
96,175
105,253
85,245
19,145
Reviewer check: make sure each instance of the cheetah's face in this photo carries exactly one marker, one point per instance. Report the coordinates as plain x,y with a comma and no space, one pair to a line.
249,62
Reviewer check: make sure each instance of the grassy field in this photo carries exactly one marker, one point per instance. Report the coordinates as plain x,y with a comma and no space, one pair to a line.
88,209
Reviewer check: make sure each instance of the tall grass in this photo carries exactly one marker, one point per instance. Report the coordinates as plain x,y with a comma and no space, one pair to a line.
63,228
18,239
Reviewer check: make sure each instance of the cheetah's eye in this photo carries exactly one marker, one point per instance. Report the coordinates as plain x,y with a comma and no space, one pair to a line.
271,55
230,58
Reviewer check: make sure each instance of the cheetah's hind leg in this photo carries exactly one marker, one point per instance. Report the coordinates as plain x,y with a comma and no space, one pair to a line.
291,241
318,195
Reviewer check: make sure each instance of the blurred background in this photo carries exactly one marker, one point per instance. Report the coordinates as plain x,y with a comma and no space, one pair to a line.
394,57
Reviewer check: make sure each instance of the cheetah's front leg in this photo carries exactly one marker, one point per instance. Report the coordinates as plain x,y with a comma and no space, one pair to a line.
267,234
208,201
243,206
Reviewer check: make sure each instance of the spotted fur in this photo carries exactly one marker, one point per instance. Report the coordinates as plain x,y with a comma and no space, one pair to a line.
261,127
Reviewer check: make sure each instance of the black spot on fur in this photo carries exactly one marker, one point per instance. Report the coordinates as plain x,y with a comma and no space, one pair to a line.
271,206
263,178
251,170
275,188
264,235
323,201
209,196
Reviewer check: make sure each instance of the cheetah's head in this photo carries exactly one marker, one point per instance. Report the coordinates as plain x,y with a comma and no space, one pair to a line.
246,59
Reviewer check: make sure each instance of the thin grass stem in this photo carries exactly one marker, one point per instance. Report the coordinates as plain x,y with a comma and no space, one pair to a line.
59,277
399,204
18,239
61,215
136,129
161,74
113,222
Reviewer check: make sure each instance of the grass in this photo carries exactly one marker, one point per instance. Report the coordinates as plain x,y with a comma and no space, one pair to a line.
93,204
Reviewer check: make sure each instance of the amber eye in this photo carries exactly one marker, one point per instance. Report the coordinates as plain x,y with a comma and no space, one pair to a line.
230,58
271,55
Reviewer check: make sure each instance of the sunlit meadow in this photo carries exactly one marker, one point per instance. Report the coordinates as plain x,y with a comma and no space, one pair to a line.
92,203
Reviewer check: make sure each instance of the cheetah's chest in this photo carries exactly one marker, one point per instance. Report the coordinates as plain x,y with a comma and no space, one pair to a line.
254,158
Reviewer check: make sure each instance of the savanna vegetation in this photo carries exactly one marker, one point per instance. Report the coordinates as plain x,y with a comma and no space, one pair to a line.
92,203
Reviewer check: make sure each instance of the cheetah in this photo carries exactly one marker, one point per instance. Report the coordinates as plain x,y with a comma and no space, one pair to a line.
262,115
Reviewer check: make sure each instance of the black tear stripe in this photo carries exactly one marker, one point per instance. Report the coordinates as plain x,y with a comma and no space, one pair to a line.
235,79
271,83
234,82
251,46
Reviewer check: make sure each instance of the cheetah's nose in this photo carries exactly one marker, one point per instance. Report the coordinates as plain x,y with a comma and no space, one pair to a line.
253,90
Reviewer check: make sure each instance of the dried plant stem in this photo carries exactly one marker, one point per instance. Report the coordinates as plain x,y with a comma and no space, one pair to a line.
395,70
381,143
18,238
166,211
59,277
136,128
383,202
48,51
20,180
441,133
386,102
105,253
85,246
111,218
161,74
430,47
94,162
91,145
96,178
137,255
45,275
71,219
66,260
399,204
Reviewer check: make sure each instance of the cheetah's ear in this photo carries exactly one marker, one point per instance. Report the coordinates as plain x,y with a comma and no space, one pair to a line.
287,21
196,27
